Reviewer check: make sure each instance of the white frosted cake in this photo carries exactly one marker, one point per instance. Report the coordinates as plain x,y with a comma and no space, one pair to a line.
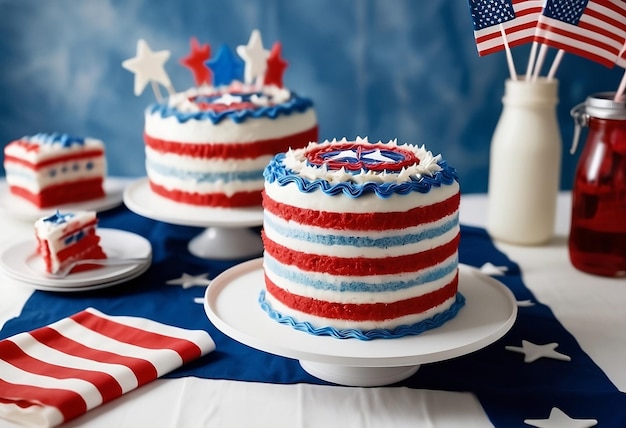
361,239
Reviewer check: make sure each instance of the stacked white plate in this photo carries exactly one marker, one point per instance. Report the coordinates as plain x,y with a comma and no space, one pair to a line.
20,261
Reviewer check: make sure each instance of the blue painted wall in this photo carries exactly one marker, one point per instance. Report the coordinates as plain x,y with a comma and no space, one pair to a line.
385,69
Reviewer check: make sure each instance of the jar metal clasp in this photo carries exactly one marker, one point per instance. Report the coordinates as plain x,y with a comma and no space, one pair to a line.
581,120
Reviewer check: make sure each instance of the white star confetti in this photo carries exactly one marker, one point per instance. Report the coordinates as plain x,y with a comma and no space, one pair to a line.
490,269
199,300
228,99
533,352
558,419
254,56
148,66
525,303
187,280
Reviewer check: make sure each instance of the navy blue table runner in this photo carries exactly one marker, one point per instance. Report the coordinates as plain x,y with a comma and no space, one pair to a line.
509,389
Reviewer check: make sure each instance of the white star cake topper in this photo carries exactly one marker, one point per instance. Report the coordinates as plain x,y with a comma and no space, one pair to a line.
254,56
148,66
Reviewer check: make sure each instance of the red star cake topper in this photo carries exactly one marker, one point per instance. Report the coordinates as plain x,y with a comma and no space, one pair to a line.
195,62
276,66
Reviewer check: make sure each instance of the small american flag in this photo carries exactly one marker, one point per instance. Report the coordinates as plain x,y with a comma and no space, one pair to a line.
58,372
517,17
594,29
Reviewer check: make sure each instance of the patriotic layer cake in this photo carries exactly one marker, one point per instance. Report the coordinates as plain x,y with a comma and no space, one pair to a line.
65,238
55,169
361,239
209,145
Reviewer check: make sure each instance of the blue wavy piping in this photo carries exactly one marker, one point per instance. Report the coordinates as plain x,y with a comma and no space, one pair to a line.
294,104
66,140
378,333
275,171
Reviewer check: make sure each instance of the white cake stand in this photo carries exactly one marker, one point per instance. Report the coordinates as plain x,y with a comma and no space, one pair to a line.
231,304
227,235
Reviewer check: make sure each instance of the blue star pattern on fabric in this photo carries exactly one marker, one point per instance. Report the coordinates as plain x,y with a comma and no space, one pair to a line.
226,66
487,13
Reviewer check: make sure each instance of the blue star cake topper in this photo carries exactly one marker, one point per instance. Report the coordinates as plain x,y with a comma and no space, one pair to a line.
226,66
58,218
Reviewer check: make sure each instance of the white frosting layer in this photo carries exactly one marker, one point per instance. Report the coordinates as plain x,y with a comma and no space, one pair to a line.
50,151
379,282
57,173
307,244
191,164
362,325
192,186
290,194
227,131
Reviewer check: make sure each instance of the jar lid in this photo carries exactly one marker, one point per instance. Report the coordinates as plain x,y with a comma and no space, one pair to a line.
603,106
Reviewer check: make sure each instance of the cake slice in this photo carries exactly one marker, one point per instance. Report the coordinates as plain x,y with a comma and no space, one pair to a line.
65,238
54,169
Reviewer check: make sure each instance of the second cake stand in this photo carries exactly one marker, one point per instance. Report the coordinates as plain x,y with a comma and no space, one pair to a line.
227,235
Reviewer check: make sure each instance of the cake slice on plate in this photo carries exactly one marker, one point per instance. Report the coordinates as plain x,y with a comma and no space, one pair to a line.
63,238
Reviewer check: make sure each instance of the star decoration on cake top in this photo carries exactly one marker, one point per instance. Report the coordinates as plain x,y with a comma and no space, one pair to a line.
226,66
149,66
254,56
276,66
558,419
58,218
196,62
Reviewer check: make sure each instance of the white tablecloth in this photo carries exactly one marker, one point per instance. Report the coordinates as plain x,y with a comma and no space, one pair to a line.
592,308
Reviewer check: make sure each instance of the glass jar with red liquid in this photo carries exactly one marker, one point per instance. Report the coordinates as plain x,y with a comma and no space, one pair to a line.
597,241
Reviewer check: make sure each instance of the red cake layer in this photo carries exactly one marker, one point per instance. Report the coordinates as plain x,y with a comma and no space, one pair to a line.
239,199
236,150
363,221
363,312
349,266
57,159
87,248
63,193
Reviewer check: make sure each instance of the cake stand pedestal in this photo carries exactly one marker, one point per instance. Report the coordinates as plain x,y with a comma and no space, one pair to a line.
231,304
227,235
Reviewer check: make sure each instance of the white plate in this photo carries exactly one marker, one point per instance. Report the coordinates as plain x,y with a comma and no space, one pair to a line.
139,198
20,261
231,304
21,208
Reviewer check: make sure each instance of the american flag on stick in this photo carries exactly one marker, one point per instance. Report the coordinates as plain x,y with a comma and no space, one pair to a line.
594,29
515,19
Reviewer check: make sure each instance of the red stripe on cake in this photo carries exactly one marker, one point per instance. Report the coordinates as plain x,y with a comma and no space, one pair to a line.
363,221
57,159
238,199
87,248
363,312
350,266
63,193
236,150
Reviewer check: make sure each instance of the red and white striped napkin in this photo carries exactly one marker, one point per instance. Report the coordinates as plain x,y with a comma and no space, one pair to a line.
58,372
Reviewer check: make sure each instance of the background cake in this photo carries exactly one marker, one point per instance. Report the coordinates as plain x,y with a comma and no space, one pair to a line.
361,239
208,145
65,238
55,169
